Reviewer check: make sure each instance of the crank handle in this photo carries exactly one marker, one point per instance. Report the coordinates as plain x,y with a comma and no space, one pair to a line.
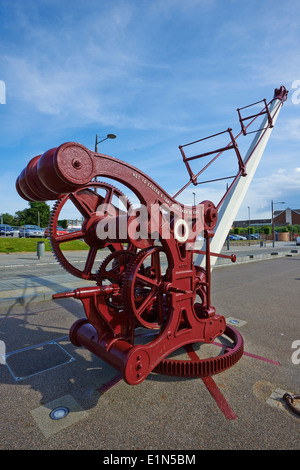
167,288
85,292
218,255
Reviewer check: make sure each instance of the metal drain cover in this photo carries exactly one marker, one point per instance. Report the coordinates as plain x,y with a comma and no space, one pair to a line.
36,359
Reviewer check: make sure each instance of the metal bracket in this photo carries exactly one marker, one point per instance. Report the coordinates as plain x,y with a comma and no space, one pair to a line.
265,110
232,145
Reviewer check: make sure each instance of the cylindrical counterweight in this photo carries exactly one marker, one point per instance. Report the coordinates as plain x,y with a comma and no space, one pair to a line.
58,171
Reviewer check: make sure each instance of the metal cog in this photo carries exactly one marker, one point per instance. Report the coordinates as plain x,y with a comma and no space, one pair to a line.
134,296
56,240
205,367
114,275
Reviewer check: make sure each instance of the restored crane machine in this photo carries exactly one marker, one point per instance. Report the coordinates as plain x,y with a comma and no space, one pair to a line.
154,277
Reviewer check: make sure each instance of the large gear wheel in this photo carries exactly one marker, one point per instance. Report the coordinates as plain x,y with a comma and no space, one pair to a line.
87,201
197,367
112,271
142,296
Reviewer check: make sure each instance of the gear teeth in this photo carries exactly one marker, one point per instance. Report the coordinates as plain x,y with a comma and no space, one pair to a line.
56,251
101,274
127,279
205,367
50,231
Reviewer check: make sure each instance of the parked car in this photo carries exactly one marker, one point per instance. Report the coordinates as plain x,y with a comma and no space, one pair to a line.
6,230
298,241
236,237
59,231
240,237
253,236
31,231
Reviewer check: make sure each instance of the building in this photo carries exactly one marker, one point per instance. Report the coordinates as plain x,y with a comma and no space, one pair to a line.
281,218
72,224
245,223
287,217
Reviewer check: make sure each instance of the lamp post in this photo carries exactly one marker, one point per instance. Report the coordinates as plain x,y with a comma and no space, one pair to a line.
273,229
109,136
194,199
249,226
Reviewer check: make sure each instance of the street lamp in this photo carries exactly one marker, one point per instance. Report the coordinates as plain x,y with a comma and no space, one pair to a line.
194,199
109,136
273,229
249,226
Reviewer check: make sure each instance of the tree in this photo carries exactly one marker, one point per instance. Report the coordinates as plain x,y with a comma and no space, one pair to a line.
8,219
37,214
20,217
62,223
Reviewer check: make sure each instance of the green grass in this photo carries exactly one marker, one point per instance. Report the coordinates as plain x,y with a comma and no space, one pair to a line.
18,245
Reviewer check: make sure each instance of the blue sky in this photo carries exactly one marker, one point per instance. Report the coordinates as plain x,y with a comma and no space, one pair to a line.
158,74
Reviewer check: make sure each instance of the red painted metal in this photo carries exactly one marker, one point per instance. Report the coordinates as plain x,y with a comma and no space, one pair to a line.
133,290
141,284
265,110
218,152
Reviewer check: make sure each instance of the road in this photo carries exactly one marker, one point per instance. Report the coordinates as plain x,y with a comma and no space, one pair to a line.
241,408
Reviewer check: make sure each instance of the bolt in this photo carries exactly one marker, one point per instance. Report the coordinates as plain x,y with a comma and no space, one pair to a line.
76,164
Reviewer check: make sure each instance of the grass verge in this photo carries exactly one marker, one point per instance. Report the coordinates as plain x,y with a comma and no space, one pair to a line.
18,245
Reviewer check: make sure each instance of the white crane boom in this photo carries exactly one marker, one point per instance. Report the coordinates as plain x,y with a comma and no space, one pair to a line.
234,198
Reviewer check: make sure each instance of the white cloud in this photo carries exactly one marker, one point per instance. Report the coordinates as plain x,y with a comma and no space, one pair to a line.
278,186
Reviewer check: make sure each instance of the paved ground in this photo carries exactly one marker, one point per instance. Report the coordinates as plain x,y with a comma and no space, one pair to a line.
241,408
26,279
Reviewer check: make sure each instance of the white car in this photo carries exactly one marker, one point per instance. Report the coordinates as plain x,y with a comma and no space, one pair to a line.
298,241
239,237
28,231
